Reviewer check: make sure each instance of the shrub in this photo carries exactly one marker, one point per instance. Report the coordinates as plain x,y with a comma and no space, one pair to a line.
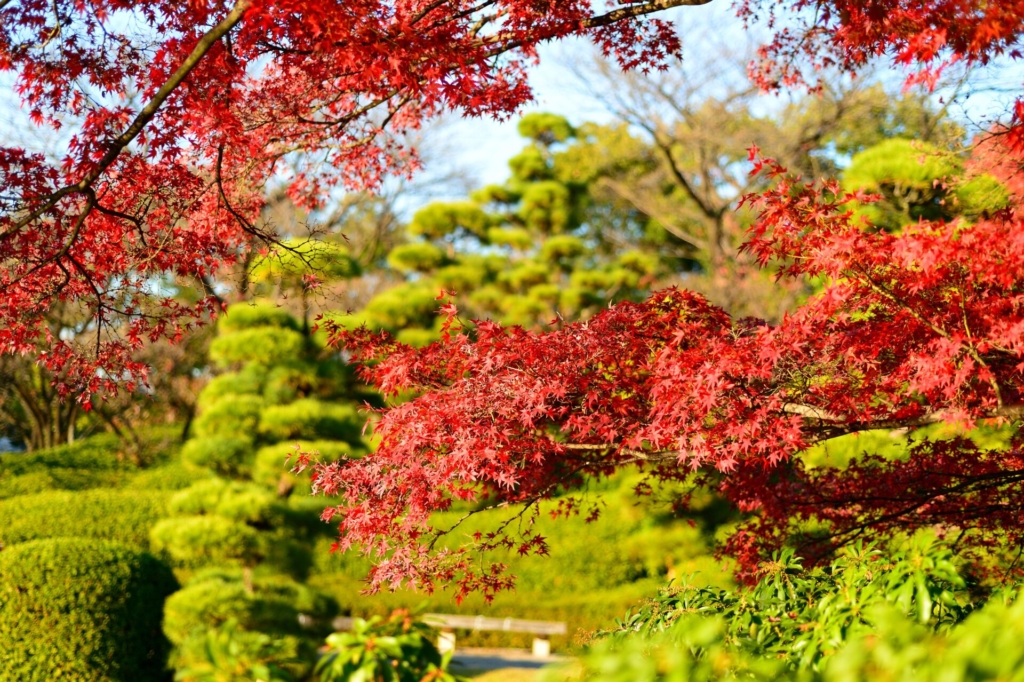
288,382
396,650
272,605
102,452
262,345
312,419
77,610
58,479
237,416
174,476
248,315
226,455
271,466
248,381
124,516
230,653
197,541
236,500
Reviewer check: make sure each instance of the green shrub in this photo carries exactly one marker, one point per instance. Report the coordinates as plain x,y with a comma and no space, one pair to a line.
416,257
248,381
245,502
311,419
262,345
101,452
229,418
287,383
82,611
272,605
175,476
124,516
226,455
891,647
230,653
271,467
398,649
248,315
197,541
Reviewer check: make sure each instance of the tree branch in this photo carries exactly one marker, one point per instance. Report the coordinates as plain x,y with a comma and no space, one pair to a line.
148,112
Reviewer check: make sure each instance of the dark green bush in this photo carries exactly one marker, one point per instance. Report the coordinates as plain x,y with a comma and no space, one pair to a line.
123,516
272,605
311,419
82,611
226,455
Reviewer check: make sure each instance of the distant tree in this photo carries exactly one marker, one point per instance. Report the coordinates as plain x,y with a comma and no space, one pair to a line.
679,156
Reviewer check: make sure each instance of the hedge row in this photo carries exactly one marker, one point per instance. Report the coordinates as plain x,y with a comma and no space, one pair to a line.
123,516
81,611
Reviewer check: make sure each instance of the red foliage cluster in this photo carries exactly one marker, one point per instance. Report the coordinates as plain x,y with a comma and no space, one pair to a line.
924,36
915,328
181,112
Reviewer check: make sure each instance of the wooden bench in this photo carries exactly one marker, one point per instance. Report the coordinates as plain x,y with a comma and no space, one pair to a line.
448,623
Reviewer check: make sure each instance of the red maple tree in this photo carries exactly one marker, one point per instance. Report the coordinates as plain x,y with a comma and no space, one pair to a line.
911,329
178,114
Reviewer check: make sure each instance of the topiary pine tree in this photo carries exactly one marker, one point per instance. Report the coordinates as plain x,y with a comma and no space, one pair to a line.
244,548
523,252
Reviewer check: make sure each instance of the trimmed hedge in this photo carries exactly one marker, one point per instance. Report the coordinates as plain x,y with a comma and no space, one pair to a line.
81,611
58,479
123,516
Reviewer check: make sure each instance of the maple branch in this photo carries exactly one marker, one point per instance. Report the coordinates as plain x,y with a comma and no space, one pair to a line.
607,19
148,112
639,10
831,426
647,207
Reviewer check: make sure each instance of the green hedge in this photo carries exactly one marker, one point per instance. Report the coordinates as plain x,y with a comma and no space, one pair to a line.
123,516
59,478
81,611
101,452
